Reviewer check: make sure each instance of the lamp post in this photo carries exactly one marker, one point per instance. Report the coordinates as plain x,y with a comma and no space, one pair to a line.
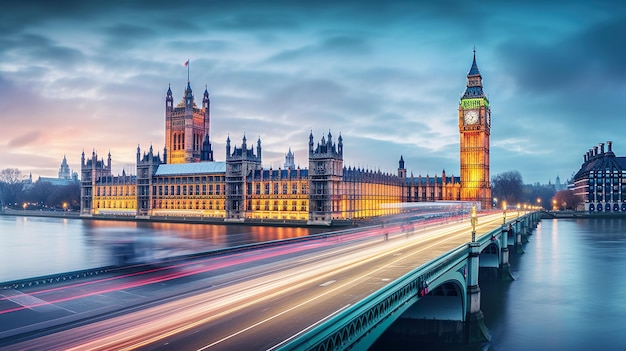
518,206
473,221
503,212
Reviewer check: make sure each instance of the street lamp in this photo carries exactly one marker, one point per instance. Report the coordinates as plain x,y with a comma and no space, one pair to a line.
473,221
64,206
503,212
24,206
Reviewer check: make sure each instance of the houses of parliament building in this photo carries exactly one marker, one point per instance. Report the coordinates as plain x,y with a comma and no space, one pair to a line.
186,181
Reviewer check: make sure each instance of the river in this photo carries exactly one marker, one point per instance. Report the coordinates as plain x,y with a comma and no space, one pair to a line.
36,246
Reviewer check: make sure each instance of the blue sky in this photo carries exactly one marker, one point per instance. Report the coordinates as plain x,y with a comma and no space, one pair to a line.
388,76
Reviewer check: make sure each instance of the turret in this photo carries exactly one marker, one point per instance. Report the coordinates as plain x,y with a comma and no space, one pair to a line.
205,99
401,169
188,96
206,153
340,145
169,99
227,146
311,142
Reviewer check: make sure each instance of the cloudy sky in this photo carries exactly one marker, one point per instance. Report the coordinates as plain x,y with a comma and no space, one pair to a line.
387,75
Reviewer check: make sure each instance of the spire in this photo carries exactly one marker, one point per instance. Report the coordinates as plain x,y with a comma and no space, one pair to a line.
474,69
474,82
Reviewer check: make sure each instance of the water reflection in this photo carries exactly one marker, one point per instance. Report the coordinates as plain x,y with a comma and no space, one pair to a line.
34,246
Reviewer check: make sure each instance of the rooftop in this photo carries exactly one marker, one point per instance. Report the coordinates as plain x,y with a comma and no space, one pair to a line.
191,168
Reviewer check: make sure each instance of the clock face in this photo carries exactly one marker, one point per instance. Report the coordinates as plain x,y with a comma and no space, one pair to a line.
471,117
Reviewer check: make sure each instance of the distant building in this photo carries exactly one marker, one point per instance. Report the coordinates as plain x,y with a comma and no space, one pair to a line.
601,180
186,181
65,176
64,170
290,162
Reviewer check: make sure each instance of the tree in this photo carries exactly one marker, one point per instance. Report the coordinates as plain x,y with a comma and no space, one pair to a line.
539,195
66,194
566,200
39,193
11,186
507,187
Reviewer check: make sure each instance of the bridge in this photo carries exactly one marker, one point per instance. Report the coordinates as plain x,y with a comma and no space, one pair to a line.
445,289
327,292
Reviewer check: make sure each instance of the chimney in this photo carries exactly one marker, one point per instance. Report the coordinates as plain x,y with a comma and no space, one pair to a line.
610,145
586,157
595,151
601,148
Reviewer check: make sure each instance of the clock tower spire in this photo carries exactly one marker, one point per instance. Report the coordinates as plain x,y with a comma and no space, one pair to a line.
474,130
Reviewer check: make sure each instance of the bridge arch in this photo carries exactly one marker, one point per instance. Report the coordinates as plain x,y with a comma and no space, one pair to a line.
490,255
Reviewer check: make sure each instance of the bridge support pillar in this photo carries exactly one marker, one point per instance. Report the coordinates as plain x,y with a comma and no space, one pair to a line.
525,230
475,325
518,238
505,273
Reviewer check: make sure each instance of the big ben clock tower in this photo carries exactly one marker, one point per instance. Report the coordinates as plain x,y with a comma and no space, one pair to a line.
474,130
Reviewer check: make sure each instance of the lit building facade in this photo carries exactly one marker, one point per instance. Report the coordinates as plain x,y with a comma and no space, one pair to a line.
186,181
601,181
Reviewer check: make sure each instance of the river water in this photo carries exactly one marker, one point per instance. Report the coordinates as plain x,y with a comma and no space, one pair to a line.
36,246
569,292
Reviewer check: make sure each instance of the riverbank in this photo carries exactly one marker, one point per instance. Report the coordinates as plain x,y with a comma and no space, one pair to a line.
580,214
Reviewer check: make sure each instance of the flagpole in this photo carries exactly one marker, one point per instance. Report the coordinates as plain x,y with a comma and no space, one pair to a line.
187,70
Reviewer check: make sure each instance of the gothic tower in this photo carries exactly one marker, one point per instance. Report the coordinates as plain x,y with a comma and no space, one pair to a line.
240,166
325,178
474,130
186,127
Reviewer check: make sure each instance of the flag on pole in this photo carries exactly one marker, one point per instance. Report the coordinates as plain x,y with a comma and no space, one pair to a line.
186,63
